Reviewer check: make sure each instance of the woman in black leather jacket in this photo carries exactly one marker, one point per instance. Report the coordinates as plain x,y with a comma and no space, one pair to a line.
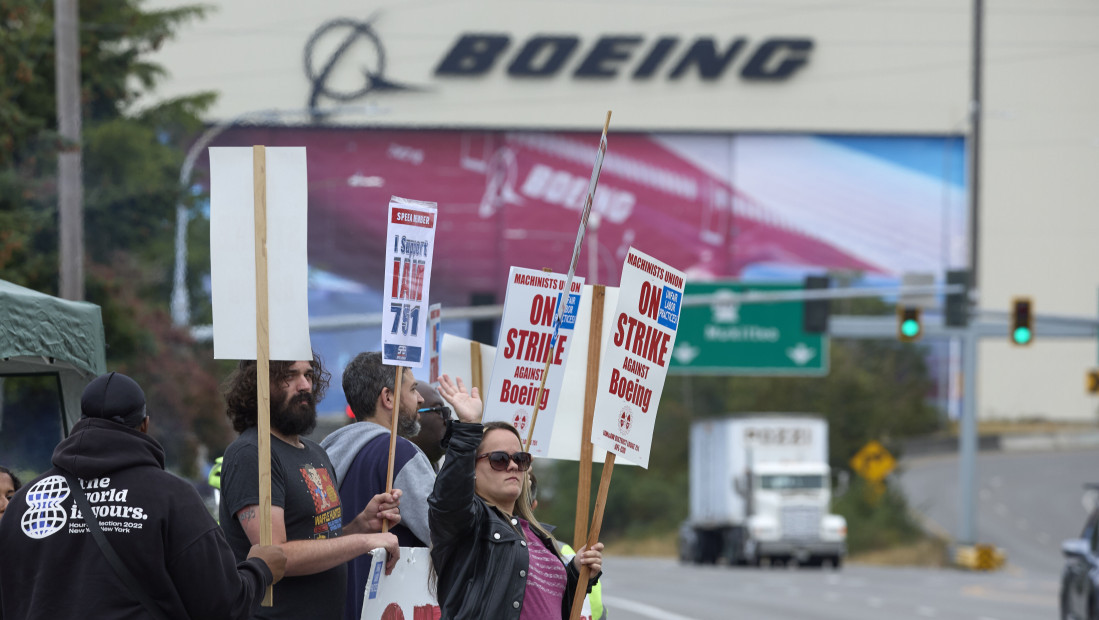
491,557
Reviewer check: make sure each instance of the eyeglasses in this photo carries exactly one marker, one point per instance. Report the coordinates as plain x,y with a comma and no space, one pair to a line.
442,410
498,460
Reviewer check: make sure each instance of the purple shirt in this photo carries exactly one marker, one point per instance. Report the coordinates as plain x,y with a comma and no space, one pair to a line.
546,581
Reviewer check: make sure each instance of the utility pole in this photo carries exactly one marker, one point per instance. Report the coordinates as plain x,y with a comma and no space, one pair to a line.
70,188
967,437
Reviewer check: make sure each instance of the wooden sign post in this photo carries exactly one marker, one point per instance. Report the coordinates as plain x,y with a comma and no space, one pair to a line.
591,387
263,353
393,437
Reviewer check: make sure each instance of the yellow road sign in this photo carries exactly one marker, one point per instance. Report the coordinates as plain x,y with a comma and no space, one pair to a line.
1093,381
873,462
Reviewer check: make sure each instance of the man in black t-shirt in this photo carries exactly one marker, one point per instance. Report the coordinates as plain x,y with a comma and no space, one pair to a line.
306,515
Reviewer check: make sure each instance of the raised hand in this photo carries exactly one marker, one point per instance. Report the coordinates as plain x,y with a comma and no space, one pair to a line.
467,405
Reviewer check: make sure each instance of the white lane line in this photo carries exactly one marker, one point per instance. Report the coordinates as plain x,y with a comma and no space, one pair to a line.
648,611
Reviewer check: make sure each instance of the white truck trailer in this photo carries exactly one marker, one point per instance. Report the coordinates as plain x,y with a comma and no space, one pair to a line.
760,490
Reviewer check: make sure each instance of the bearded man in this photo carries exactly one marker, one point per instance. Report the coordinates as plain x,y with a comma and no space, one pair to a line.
360,453
307,518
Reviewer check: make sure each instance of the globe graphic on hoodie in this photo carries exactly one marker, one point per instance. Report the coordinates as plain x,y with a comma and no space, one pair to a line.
44,515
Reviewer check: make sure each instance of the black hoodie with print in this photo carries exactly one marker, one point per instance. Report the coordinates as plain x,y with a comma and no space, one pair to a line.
51,567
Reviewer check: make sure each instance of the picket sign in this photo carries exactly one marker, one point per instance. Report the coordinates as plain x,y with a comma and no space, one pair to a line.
632,373
239,264
434,312
410,244
527,327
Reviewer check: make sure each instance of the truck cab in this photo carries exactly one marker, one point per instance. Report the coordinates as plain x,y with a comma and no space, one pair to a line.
789,517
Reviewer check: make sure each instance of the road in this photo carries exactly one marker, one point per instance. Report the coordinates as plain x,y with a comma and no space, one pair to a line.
662,589
1027,502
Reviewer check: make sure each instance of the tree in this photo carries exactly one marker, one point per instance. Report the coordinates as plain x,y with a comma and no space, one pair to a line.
132,156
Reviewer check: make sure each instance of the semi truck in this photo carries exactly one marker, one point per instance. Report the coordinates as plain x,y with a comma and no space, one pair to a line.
760,492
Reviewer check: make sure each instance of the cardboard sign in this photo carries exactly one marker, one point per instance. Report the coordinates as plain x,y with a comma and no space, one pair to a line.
632,373
410,242
456,359
526,332
404,593
434,312
233,260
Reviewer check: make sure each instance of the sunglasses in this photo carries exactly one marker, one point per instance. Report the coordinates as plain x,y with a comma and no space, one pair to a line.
498,460
442,410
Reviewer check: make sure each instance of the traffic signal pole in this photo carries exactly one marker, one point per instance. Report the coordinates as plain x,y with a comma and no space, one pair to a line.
967,439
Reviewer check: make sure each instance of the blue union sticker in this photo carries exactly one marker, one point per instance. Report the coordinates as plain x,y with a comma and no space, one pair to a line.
402,353
668,315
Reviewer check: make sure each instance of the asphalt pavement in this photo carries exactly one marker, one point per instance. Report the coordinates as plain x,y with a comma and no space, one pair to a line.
663,589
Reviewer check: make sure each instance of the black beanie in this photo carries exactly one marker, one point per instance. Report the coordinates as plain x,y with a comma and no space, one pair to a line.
116,397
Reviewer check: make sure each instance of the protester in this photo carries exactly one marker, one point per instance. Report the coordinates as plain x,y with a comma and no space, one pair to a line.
9,484
307,516
491,556
51,565
434,416
360,454
595,596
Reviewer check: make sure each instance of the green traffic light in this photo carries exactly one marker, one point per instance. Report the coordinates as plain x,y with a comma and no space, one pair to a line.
910,328
1021,335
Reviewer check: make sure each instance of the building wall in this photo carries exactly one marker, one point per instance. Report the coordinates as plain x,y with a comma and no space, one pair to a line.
888,67
1040,203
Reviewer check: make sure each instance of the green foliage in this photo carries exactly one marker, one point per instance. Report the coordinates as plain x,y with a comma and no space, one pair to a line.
877,517
131,159
875,390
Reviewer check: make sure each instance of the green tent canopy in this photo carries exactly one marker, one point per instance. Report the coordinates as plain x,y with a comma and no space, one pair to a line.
44,335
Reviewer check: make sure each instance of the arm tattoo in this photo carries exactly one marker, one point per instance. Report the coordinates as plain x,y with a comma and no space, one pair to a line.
246,515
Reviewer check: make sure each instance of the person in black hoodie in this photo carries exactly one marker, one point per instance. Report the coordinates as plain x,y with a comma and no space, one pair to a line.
51,566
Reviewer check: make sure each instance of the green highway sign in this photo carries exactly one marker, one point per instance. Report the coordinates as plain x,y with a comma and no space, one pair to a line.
730,338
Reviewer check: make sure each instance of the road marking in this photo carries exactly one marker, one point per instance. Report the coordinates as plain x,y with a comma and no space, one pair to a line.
641,608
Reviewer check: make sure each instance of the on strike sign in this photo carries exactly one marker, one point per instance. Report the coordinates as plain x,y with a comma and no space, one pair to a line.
637,353
526,331
410,241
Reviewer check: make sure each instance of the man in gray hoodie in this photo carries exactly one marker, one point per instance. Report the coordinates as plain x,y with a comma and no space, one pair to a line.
360,454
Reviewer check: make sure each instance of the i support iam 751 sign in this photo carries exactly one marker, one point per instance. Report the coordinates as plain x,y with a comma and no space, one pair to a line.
410,242
638,351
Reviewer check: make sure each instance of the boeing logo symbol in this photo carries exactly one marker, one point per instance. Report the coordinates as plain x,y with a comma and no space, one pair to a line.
346,40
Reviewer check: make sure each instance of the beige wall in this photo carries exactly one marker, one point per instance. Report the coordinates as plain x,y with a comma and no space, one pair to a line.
885,67
1040,207
892,66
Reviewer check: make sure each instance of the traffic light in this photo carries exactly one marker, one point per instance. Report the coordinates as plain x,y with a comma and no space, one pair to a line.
816,311
956,313
1022,322
909,327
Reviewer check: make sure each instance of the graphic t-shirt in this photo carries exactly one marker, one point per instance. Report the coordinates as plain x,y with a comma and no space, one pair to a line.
303,484
546,581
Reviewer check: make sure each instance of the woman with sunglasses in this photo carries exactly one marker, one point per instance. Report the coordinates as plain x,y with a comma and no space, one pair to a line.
491,557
